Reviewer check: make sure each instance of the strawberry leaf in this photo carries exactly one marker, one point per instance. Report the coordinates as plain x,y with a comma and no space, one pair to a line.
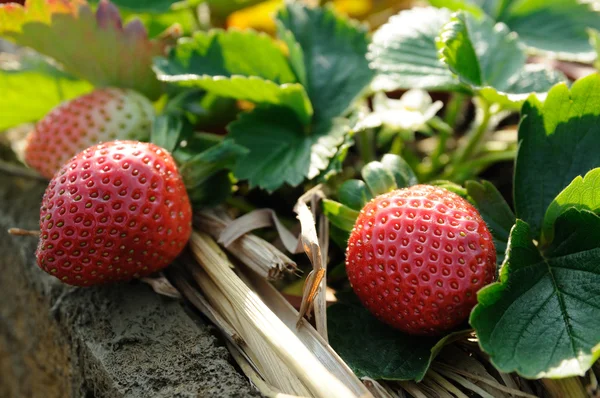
495,212
490,60
242,65
552,27
32,88
376,350
404,52
340,215
559,140
542,318
595,41
334,51
206,175
115,55
354,194
581,194
557,27
280,150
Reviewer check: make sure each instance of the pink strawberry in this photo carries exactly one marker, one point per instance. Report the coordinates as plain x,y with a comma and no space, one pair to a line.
417,257
105,114
115,211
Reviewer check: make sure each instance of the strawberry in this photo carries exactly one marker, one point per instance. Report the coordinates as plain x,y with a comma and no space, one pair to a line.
417,256
114,212
105,114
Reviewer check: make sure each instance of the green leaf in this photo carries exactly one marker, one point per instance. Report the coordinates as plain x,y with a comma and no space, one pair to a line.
581,193
115,54
496,213
555,26
198,169
30,91
542,319
354,194
551,27
296,54
165,131
376,350
280,151
404,52
533,78
334,51
242,65
595,42
559,140
340,215
154,6
222,8
489,58
470,6
378,178
452,187
402,172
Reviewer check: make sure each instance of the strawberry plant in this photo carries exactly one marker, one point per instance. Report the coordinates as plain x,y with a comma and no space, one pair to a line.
448,153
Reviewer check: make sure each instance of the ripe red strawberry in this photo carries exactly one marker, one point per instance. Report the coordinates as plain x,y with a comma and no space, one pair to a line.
113,212
105,114
417,257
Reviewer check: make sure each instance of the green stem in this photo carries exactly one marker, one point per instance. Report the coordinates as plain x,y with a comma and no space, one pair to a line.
365,142
445,131
397,145
473,139
453,108
478,165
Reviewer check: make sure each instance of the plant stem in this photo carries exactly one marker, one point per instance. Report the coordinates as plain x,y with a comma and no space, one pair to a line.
397,145
366,146
477,165
453,108
445,131
473,139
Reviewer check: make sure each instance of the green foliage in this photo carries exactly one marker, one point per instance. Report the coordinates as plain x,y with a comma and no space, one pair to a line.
542,319
333,51
556,27
152,6
559,140
205,175
242,65
374,349
404,52
490,60
115,55
165,131
354,194
32,89
340,215
496,213
581,193
280,150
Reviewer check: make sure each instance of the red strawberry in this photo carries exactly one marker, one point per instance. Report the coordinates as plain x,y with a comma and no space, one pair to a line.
417,257
103,115
114,212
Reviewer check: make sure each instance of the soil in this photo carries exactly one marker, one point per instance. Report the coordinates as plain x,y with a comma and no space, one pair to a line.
116,341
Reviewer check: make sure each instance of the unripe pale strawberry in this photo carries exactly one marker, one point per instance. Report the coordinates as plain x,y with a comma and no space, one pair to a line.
417,257
114,212
106,114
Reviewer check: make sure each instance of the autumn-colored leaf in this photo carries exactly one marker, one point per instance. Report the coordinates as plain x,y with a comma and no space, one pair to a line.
97,46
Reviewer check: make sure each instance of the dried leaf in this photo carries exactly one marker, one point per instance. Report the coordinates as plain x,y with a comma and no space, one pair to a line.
262,330
162,286
258,254
256,219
